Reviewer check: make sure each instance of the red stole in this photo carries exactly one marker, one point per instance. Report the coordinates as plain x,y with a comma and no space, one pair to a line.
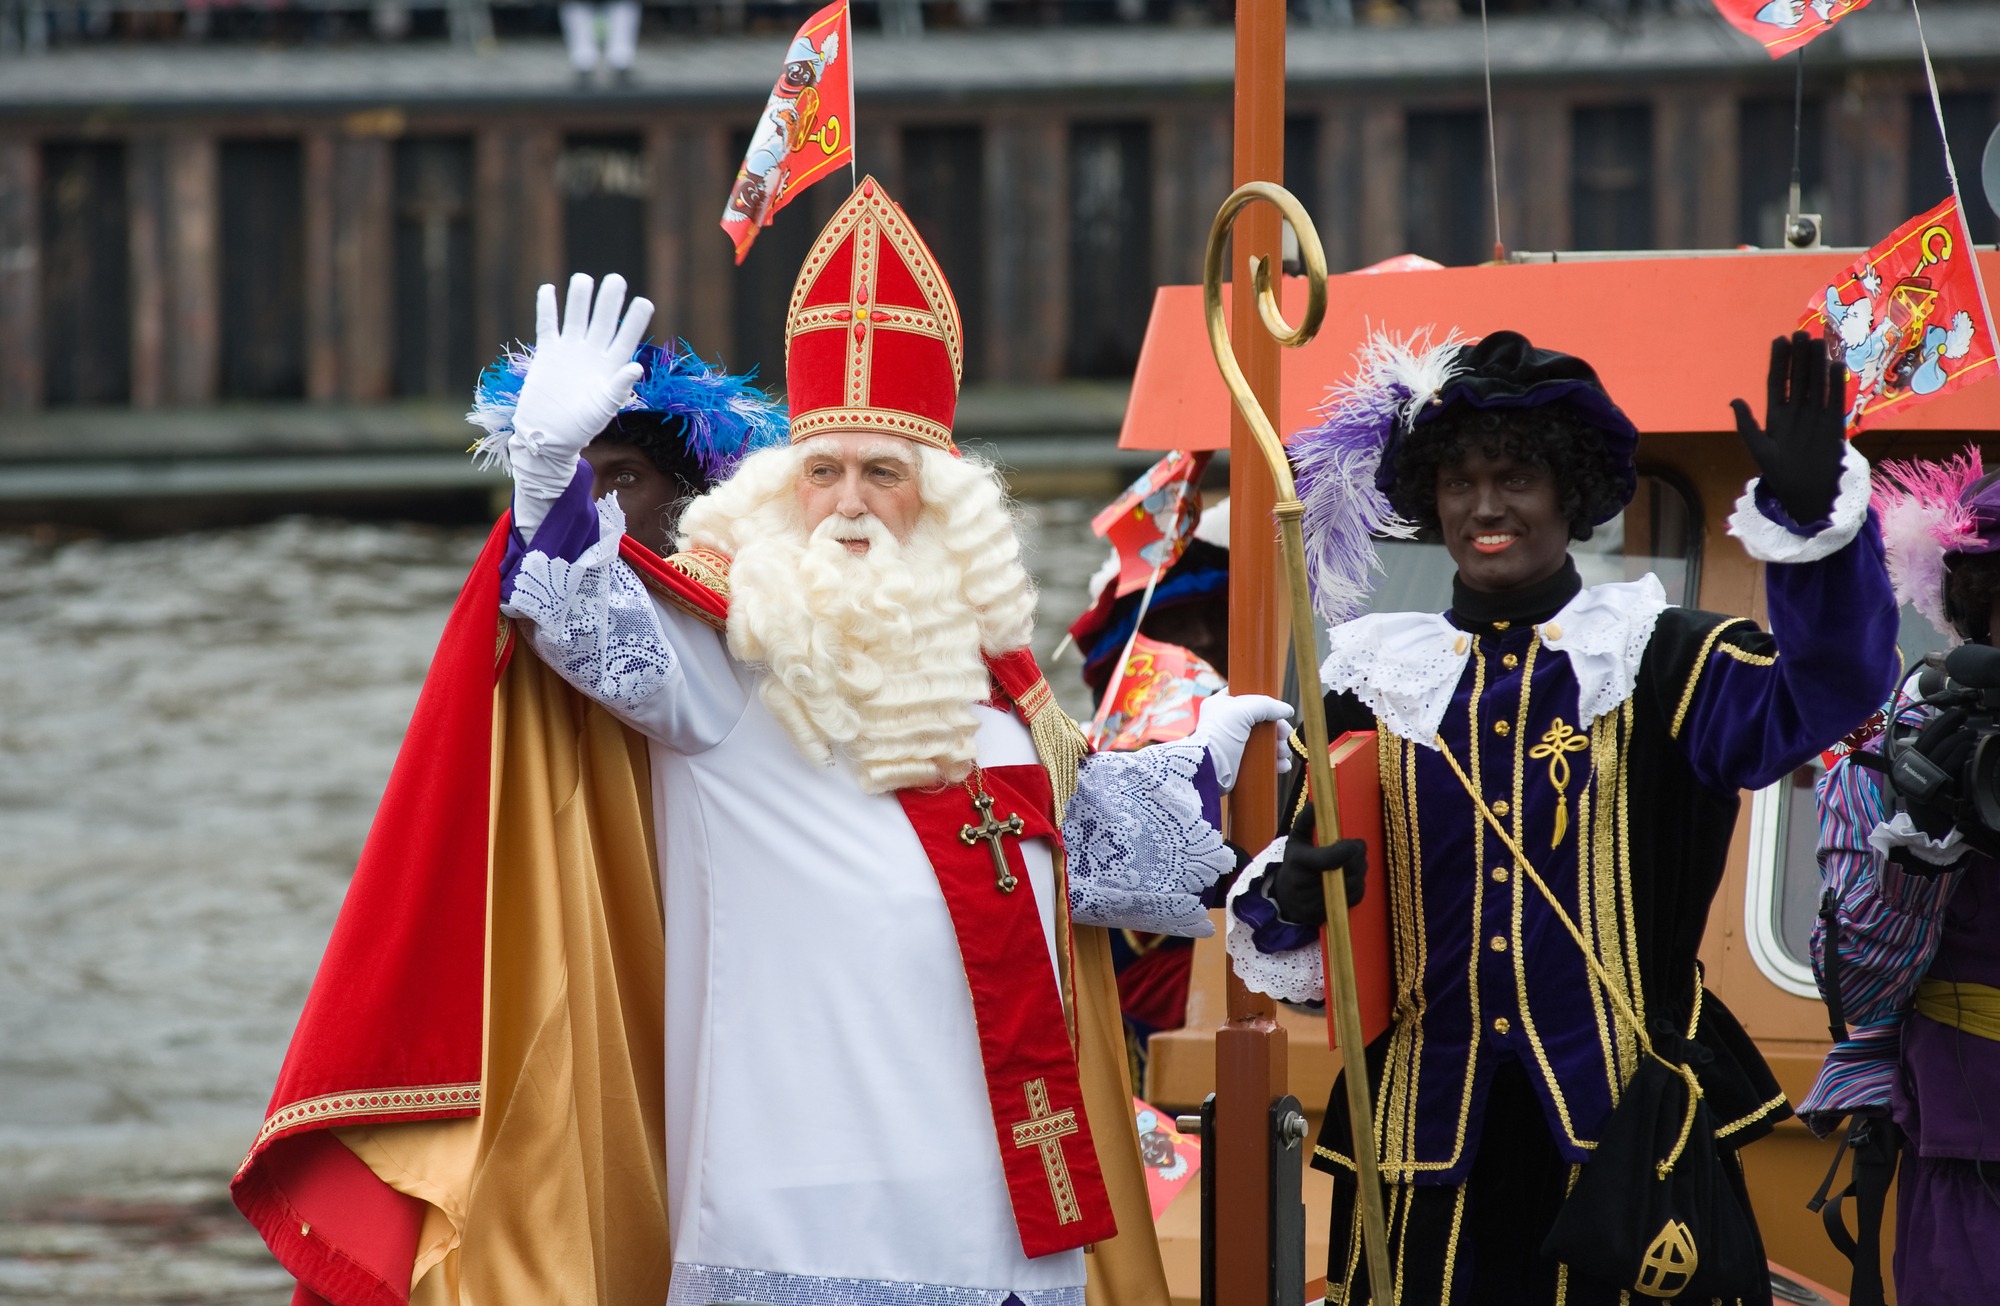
1046,1151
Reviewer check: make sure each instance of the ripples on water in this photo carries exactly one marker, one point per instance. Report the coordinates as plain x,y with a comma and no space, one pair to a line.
194,732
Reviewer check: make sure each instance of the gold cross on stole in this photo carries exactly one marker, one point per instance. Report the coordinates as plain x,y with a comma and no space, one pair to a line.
1045,1129
990,830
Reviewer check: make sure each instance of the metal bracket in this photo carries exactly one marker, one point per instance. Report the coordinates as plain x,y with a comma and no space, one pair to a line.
1287,1199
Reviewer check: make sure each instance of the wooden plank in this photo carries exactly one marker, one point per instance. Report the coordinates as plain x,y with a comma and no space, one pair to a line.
363,263
1867,164
146,212
20,274
1381,225
1027,189
322,308
709,315
668,220
194,337
517,234
1546,186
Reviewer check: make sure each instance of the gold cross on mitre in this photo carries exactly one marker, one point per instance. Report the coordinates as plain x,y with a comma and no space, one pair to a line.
1045,1129
990,830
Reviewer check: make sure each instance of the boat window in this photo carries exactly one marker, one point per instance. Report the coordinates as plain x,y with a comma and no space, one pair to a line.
1659,531
1782,896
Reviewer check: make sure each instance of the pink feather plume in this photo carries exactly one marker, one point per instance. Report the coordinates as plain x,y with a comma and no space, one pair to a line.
1923,519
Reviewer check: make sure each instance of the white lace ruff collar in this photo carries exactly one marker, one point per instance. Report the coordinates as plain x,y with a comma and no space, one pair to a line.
1405,665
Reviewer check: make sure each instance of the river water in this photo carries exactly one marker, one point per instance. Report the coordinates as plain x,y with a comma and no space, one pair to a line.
194,732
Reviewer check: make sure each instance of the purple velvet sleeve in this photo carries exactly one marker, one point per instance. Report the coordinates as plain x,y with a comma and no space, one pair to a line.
1759,711
1268,930
568,530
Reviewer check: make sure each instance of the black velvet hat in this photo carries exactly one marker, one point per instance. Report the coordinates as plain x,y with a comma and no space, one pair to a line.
1504,370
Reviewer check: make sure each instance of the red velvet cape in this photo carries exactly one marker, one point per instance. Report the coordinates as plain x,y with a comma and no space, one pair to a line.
410,937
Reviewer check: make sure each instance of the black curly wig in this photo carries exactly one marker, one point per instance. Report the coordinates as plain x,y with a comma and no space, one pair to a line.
1590,486
662,438
1971,583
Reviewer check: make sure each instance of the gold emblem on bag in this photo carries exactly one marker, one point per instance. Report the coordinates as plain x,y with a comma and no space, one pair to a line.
1669,1263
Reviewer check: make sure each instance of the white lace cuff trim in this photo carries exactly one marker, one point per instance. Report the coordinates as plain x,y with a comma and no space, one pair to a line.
1901,834
1140,851
594,620
1769,541
1295,976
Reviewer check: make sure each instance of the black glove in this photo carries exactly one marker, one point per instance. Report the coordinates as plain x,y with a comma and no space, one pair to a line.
1947,740
1296,888
1805,411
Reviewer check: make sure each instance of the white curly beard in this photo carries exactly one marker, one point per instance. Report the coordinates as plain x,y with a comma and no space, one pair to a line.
880,656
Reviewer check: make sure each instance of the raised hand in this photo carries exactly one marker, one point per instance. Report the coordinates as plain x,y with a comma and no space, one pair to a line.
582,373
1804,437
1297,889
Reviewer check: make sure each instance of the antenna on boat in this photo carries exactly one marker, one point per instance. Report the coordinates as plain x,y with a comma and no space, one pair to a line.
1492,136
1802,230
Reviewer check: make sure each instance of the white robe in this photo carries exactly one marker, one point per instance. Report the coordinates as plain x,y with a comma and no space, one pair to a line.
829,1136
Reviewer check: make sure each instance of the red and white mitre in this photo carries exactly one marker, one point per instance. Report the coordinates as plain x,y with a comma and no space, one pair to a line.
872,338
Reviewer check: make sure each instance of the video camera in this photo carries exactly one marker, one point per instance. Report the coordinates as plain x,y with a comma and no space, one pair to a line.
1946,771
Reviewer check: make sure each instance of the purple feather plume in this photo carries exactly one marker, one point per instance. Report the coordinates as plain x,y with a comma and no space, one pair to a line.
1335,461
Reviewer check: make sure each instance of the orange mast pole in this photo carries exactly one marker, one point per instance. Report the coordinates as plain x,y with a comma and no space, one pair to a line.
1250,1048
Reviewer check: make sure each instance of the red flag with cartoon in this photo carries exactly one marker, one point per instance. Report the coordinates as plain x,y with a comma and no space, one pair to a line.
1906,317
1150,524
1158,699
1171,1157
1782,26
807,129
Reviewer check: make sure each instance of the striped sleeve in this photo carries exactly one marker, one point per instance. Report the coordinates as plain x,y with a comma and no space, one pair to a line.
1889,924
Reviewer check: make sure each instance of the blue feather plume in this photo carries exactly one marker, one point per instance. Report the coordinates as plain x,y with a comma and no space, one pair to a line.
726,417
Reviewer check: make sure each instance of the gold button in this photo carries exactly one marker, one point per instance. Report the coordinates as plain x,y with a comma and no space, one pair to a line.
1552,631
1501,1025
1501,727
1510,661
1501,808
1499,875
1498,943
1459,645
1502,625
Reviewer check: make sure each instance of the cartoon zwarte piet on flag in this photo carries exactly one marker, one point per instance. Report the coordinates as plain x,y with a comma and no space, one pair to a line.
1150,524
1906,317
807,130
1782,26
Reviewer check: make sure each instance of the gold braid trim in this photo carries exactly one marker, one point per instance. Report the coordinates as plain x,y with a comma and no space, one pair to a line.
330,1108
1694,677
1061,746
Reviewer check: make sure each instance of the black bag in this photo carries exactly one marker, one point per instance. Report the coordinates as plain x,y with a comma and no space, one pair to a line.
1684,1234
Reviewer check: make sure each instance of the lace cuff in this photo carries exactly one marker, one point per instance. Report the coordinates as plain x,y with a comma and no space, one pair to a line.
1769,539
1900,834
1142,845
593,617
1293,975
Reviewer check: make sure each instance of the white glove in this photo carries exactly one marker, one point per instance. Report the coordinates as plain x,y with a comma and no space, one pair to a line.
1224,729
581,376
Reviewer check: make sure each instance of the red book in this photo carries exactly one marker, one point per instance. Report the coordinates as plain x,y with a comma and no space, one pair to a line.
1358,783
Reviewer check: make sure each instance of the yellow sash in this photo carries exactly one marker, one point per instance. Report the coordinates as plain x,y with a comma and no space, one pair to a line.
1974,1008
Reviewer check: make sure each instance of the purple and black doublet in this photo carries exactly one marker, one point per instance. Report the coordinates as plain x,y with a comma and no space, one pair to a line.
1611,734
